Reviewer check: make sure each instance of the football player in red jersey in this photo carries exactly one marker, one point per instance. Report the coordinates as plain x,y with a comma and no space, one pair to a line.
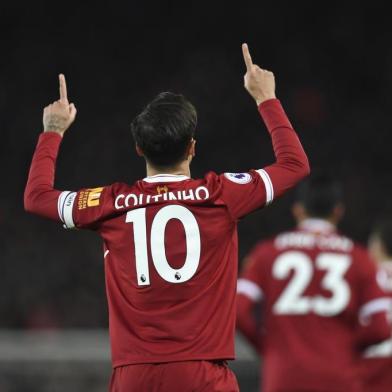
377,363
318,296
169,241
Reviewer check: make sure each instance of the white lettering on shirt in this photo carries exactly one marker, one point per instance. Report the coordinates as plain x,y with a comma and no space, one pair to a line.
133,200
311,240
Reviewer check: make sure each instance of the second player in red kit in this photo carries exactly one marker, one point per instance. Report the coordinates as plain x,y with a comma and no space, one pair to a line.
170,241
319,299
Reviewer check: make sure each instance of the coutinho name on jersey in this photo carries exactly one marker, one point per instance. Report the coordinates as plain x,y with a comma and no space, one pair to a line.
133,200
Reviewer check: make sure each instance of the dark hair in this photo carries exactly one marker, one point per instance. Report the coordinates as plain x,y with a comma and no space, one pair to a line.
383,231
319,194
164,129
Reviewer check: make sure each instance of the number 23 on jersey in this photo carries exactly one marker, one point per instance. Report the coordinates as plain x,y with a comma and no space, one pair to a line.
293,300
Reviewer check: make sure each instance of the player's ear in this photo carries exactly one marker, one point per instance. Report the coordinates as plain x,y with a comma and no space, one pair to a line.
193,147
191,151
139,151
299,212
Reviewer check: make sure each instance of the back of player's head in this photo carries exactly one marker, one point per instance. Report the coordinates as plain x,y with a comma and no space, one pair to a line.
164,129
383,232
319,194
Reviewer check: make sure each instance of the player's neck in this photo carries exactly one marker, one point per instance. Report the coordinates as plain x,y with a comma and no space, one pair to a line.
317,224
182,169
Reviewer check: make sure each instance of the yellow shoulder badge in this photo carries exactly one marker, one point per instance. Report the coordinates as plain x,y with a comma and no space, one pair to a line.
93,197
89,198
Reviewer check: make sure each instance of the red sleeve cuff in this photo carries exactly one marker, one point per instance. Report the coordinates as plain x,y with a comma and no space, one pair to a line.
50,139
274,115
50,135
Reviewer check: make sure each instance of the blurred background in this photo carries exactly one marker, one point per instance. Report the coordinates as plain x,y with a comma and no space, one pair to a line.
333,66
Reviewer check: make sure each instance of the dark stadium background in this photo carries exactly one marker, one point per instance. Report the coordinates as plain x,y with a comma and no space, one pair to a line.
333,66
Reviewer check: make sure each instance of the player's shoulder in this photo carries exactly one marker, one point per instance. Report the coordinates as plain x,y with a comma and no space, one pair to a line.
259,258
359,251
361,260
239,178
264,249
359,248
233,178
340,242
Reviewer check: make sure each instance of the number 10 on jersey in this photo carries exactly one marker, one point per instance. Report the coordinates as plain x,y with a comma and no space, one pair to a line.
157,244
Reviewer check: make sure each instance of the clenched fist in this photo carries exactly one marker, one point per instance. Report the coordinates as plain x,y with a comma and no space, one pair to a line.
260,83
60,114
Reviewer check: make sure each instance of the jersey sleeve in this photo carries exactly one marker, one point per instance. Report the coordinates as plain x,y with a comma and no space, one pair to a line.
83,209
246,192
86,208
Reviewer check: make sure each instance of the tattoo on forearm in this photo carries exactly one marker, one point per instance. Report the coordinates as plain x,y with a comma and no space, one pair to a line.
55,123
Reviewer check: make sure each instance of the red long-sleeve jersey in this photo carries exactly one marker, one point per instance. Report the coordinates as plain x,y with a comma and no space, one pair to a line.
320,307
170,245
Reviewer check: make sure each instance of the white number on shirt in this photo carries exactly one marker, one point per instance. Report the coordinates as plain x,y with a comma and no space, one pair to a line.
293,301
157,242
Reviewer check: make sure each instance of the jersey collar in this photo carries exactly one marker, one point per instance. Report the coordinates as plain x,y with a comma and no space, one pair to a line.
317,226
166,178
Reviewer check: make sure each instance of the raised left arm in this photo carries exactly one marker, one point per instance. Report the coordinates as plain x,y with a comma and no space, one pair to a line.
40,197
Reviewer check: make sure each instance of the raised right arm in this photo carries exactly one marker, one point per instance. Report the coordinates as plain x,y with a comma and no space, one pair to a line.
291,161
246,192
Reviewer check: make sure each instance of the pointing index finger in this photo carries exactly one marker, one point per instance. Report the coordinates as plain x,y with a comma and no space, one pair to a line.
247,57
63,89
